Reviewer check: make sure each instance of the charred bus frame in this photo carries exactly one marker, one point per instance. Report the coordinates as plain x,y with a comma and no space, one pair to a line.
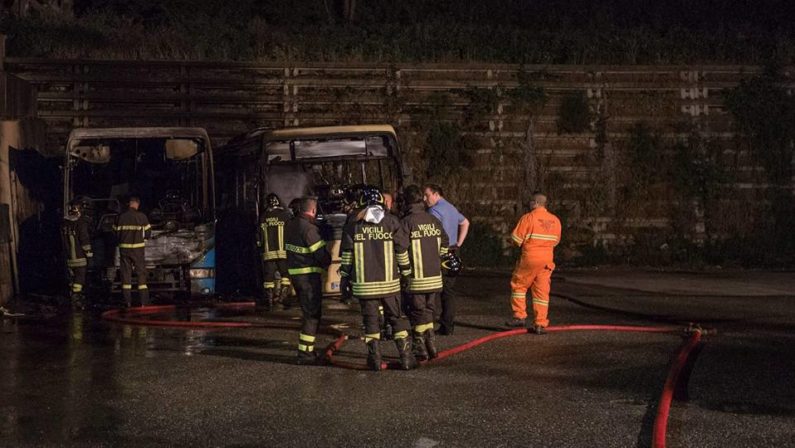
172,168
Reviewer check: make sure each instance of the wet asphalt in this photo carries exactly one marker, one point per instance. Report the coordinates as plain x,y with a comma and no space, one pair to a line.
79,381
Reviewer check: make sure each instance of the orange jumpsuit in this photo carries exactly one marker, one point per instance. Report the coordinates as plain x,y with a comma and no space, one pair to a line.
537,233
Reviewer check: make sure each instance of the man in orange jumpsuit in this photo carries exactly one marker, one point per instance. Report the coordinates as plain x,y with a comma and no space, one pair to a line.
537,233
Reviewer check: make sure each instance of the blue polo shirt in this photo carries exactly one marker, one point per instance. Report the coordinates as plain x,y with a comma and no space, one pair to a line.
450,218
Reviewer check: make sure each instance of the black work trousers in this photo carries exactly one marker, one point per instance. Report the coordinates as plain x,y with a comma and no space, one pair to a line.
269,269
421,308
444,311
130,259
392,314
309,288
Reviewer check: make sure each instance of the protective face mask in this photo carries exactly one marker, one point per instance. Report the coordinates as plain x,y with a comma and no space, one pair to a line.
374,214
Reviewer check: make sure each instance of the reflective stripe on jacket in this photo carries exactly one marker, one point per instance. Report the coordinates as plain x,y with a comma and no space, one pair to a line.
537,233
374,256
428,242
306,250
132,229
271,233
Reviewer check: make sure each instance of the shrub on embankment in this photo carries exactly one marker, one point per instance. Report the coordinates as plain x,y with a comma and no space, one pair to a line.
518,31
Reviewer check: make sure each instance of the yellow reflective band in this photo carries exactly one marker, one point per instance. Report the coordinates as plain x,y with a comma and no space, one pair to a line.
147,227
86,247
416,252
541,302
268,285
306,348
518,294
142,287
285,281
429,284
358,252
403,257
310,270
541,236
423,328
389,261
77,287
117,228
131,246
72,245
76,263
280,236
402,334
126,286
306,337
372,337
316,246
274,255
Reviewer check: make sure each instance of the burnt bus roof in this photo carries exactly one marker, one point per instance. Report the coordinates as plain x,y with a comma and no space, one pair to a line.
80,134
255,142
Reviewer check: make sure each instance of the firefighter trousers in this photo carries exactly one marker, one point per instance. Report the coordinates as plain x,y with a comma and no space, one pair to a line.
421,310
371,314
130,259
309,288
537,277
269,269
78,279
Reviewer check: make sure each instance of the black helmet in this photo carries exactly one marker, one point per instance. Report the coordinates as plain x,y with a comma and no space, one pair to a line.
272,200
451,263
370,196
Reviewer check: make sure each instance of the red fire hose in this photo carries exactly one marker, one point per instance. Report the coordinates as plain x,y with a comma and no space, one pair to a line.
664,405
135,316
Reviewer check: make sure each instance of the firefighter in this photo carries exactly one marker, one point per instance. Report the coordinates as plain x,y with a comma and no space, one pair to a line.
428,243
307,259
274,258
132,230
77,242
374,256
537,233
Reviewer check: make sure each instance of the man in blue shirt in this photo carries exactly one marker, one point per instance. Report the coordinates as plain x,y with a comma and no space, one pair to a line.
456,226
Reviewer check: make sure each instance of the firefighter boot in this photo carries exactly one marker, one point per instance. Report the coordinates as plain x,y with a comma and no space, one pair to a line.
306,358
407,360
78,302
430,344
374,355
419,348
267,300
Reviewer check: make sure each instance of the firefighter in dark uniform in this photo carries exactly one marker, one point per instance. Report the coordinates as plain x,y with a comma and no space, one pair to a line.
428,243
132,230
77,243
274,256
373,258
307,259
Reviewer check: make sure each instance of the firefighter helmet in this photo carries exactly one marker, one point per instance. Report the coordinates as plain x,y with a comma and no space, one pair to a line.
371,196
452,264
273,201
76,206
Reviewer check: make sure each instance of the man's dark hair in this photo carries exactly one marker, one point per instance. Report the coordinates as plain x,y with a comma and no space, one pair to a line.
434,188
412,195
307,203
133,198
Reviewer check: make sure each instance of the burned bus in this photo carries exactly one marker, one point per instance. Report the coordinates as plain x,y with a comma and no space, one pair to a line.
171,170
330,163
